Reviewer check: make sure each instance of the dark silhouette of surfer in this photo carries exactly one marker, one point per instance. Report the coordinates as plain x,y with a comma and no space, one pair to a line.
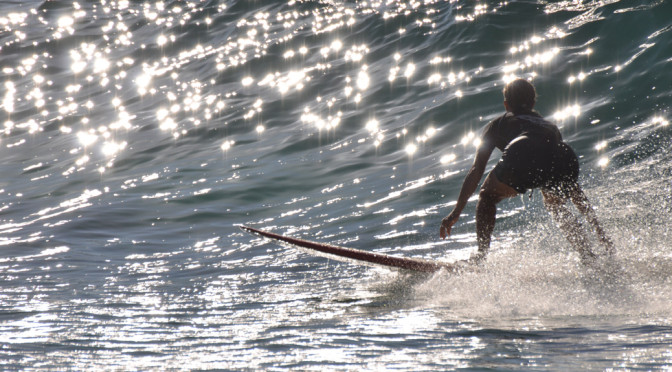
533,156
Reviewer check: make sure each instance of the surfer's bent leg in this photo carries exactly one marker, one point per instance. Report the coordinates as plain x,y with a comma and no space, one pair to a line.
581,202
492,192
569,224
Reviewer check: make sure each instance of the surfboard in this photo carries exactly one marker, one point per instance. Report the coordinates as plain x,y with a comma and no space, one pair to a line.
360,256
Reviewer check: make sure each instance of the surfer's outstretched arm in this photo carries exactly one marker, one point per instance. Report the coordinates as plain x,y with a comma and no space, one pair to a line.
469,186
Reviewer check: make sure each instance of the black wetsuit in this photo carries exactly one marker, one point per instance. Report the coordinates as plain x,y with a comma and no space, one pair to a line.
533,153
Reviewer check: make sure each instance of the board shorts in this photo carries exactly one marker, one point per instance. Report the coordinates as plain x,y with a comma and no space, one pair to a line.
529,163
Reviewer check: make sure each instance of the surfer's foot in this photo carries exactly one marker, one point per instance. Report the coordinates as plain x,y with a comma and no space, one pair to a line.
477,258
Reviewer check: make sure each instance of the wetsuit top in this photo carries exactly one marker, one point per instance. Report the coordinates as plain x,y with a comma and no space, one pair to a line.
504,129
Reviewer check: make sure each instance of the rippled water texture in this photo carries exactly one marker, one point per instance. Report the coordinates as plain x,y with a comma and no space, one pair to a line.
135,137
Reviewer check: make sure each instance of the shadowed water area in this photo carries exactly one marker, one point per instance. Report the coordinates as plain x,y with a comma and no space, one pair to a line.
136,136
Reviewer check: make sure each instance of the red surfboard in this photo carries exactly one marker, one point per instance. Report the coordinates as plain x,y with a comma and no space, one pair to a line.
414,264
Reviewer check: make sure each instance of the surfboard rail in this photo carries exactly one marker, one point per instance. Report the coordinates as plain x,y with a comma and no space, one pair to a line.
414,264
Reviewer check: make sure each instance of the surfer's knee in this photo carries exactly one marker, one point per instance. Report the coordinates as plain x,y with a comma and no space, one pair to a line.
493,190
486,197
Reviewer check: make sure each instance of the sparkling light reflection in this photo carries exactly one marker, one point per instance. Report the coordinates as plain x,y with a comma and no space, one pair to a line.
660,121
572,111
447,159
227,145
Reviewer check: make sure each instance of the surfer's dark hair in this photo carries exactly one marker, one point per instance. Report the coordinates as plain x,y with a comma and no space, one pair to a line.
520,95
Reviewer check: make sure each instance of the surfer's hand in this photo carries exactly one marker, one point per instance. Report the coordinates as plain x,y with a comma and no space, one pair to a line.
447,225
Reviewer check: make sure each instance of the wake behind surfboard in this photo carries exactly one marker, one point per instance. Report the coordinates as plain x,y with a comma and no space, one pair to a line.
414,264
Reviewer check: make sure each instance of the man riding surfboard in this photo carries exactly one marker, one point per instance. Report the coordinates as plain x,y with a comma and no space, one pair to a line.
533,156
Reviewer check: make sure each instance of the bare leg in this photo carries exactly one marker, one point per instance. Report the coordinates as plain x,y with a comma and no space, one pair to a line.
569,224
583,205
492,192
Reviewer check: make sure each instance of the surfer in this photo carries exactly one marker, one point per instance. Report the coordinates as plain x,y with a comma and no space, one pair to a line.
533,156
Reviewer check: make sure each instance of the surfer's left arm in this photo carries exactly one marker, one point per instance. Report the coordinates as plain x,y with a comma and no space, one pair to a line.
469,186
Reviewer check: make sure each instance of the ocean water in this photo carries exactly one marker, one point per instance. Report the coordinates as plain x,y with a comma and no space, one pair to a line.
137,136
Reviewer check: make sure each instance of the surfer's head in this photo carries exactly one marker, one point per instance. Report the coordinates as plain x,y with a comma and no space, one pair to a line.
519,96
